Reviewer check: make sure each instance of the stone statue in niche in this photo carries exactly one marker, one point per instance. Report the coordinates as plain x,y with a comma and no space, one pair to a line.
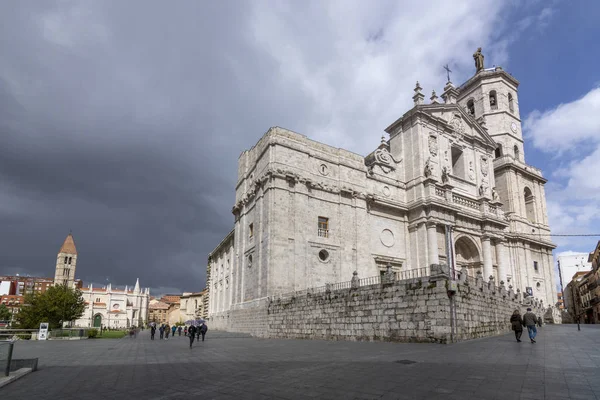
484,165
428,170
433,145
471,171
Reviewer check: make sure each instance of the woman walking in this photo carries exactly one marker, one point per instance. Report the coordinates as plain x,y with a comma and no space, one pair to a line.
517,324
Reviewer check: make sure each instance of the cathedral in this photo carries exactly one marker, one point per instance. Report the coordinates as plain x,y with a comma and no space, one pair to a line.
104,306
450,186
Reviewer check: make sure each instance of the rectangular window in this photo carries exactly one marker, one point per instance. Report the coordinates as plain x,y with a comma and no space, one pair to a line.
251,229
535,265
323,227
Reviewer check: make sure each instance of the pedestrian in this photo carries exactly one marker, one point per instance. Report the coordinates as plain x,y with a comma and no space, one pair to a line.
162,331
192,334
179,330
530,321
173,329
203,330
167,331
152,332
517,324
185,331
539,321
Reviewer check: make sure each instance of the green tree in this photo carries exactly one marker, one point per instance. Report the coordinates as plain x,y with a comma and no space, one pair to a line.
4,313
56,305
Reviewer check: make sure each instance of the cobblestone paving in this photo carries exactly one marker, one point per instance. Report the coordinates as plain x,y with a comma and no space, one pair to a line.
563,364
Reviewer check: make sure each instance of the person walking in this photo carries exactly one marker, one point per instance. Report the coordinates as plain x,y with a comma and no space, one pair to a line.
203,330
167,331
539,321
179,330
152,332
185,331
517,324
173,329
530,321
192,334
162,331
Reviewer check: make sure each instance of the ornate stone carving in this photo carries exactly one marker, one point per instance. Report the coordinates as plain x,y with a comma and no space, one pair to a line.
433,145
457,124
495,195
381,158
485,167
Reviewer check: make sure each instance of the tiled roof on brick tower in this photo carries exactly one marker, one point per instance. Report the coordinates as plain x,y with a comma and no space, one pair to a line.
68,246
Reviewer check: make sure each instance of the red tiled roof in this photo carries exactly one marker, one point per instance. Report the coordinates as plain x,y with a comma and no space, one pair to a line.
100,304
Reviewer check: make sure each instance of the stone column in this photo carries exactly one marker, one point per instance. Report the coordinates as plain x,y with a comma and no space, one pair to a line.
432,244
487,258
501,260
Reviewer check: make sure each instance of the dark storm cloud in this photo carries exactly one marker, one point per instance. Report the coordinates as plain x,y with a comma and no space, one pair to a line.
123,121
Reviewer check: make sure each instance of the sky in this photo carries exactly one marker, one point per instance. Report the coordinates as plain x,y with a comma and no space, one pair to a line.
123,121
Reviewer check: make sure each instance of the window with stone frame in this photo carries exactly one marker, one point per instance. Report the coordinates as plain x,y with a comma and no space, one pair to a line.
511,106
493,100
535,266
471,107
323,227
251,230
458,163
498,151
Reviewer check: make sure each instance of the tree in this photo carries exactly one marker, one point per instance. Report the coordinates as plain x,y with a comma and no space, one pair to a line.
58,304
4,313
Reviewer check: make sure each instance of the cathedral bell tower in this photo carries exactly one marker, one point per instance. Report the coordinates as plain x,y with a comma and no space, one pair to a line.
66,262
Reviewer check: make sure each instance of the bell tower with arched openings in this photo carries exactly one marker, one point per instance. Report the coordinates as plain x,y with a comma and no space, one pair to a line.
66,261
491,97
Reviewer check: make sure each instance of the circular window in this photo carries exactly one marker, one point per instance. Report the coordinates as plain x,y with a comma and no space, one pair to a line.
116,306
323,255
387,238
386,191
538,285
323,169
250,261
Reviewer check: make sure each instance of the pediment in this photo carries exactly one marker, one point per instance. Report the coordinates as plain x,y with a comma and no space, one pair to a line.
459,123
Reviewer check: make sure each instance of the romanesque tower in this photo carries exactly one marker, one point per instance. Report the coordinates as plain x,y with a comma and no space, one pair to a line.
66,262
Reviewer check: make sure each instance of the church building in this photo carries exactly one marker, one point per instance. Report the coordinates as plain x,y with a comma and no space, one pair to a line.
105,306
450,185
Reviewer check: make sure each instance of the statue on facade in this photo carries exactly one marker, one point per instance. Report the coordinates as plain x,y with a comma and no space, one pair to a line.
478,57
445,174
494,194
428,170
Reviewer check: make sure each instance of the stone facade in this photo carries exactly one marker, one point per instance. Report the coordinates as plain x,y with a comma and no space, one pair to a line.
308,214
114,308
66,263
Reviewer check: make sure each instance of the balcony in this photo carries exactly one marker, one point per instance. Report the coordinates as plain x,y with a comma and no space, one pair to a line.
323,233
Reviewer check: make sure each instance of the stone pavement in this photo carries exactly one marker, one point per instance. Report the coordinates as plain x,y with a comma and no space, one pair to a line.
564,364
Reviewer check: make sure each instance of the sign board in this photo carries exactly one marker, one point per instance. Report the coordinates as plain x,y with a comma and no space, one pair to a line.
452,286
43,332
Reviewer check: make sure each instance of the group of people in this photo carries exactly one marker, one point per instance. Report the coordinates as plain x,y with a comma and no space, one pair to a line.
528,320
192,331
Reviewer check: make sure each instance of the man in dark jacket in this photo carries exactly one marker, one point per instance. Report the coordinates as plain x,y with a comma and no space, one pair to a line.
517,324
203,329
192,334
530,321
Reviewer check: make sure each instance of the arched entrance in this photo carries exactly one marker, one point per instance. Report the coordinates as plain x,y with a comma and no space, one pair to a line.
467,255
97,321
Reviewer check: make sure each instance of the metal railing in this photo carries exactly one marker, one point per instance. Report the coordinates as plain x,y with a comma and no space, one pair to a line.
323,233
16,334
6,350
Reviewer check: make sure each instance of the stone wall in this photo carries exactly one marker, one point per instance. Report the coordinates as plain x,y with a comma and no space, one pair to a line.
415,310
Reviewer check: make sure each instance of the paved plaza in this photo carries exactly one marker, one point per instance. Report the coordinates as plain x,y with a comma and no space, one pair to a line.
564,364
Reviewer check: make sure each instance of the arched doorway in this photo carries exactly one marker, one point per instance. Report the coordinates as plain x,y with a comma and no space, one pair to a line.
97,321
467,255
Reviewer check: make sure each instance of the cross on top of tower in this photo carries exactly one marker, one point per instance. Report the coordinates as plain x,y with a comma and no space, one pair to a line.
448,70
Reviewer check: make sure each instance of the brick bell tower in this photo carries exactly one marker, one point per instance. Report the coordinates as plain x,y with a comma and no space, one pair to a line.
66,262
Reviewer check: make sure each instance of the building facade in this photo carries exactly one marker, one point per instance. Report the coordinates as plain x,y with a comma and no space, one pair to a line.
307,214
114,308
569,265
66,262
192,306
157,311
